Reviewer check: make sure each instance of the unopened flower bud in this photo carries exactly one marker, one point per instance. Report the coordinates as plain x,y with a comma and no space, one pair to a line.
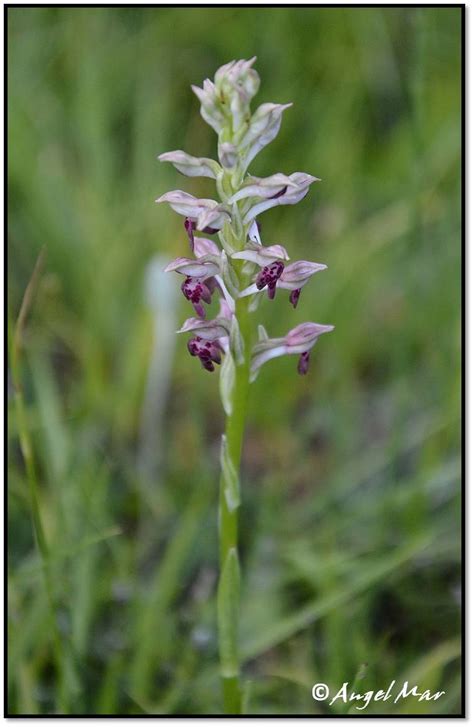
236,84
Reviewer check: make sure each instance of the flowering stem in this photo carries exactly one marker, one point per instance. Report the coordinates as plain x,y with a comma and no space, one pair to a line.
225,105
229,590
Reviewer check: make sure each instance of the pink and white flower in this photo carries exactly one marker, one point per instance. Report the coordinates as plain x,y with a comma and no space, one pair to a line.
299,340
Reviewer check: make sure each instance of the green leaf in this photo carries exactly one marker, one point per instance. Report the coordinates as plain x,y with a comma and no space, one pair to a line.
228,613
230,477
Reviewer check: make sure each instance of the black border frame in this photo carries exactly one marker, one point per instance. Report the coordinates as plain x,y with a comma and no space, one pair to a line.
462,7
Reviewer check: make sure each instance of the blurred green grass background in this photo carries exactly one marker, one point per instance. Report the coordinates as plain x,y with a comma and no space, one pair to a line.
350,524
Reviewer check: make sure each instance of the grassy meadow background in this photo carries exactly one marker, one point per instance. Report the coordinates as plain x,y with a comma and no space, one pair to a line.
350,525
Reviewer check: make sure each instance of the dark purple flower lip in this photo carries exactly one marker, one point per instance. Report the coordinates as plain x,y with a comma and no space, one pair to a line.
208,352
196,290
295,296
268,276
303,363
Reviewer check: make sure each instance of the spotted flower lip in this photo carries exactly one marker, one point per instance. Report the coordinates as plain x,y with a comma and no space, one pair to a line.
195,290
269,276
191,166
299,340
293,277
208,352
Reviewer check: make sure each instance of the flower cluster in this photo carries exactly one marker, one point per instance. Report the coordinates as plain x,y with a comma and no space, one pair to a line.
242,268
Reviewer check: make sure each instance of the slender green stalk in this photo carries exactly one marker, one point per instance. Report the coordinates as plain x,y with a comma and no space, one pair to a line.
228,537
228,600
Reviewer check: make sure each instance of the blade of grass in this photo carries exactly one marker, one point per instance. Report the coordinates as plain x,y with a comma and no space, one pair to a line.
68,679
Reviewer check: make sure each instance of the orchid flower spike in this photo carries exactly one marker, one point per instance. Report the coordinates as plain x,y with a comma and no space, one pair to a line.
237,264
228,277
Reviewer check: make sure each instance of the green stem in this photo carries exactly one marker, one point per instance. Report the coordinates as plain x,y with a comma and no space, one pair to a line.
228,597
